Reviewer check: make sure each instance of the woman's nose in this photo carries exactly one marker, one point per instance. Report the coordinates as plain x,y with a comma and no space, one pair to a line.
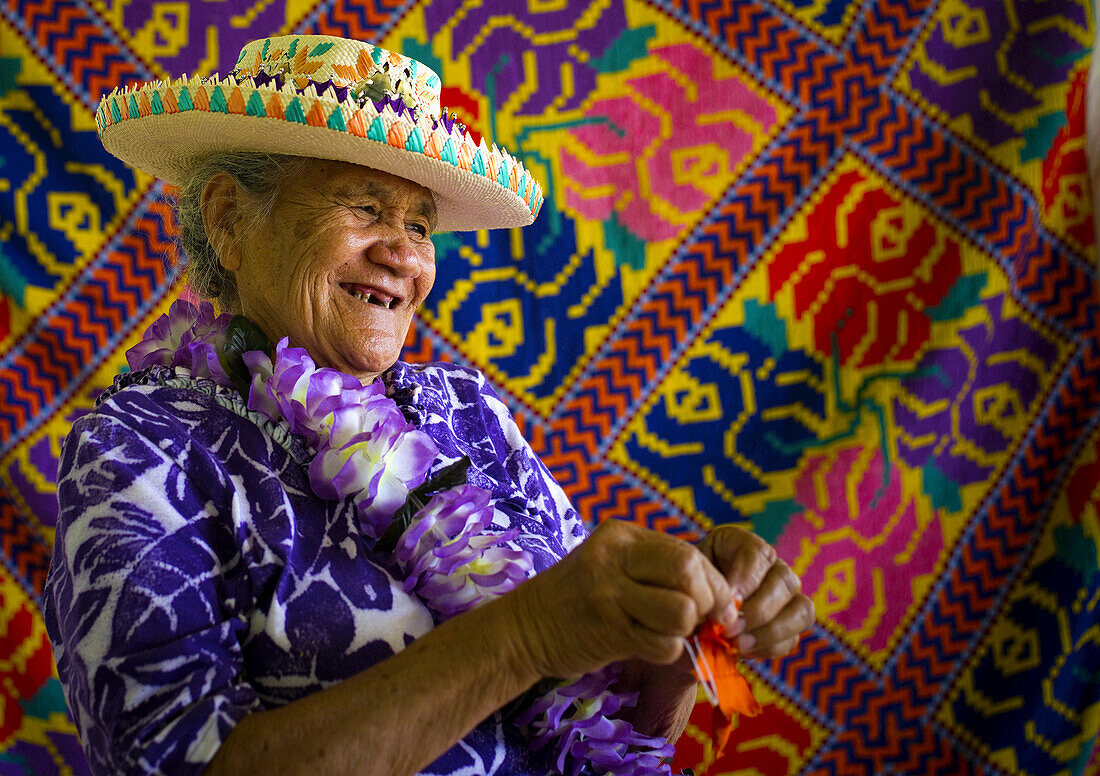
396,251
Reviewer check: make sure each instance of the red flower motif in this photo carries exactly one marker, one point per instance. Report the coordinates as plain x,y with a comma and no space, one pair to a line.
866,266
1067,204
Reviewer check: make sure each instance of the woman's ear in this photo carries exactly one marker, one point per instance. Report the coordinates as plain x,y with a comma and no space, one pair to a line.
222,217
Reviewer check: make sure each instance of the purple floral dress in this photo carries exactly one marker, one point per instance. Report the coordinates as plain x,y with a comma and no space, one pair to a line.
196,578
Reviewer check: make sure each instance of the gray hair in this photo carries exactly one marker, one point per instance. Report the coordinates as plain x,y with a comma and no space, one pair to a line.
261,177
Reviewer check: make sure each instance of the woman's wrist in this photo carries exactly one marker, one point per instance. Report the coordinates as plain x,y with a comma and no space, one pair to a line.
666,695
498,627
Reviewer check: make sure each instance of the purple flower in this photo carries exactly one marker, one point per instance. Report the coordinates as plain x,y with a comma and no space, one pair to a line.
376,468
304,395
575,718
450,561
260,367
185,337
366,450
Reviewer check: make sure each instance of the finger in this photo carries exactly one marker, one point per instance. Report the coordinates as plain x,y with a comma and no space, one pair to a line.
773,651
663,650
742,557
655,622
725,611
663,611
778,587
666,562
781,633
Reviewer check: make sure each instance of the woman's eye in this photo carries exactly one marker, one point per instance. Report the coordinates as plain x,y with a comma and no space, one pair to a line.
420,229
369,209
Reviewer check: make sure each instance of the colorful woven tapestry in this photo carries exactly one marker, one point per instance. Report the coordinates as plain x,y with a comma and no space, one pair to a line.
824,269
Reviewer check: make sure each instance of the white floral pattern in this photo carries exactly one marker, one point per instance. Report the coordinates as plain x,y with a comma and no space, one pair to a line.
194,566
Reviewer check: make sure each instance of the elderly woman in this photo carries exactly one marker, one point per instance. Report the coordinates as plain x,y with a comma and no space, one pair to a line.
311,557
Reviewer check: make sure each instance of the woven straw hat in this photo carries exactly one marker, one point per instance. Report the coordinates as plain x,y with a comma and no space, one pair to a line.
324,97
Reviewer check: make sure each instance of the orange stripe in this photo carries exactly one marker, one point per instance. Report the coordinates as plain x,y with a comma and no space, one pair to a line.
398,134
235,103
275,108
356,125
201,99
316,116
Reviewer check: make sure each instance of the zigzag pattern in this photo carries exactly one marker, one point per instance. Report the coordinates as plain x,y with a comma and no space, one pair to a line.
86,58
106,299
927,754
361,21
887,28
763,42
26,554
981,203
1065,290
820,672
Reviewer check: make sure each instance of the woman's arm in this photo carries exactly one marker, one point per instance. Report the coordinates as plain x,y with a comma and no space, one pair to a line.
399,715
625,593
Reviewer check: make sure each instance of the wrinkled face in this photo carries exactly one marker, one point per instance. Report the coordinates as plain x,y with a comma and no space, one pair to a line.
341,265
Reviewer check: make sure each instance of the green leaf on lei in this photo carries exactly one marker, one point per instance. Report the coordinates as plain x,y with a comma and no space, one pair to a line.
450,477
242,336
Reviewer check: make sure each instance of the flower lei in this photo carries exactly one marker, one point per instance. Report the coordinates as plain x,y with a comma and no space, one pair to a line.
365,450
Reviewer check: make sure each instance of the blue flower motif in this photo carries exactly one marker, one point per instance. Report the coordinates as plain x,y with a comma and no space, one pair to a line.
741,407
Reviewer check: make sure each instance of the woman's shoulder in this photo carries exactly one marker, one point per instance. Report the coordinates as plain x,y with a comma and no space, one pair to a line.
432,386
432,374
162,384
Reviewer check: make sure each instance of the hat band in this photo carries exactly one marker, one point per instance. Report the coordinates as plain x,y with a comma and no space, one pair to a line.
325,106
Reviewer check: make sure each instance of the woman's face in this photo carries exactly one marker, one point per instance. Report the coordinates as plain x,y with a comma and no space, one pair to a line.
340,265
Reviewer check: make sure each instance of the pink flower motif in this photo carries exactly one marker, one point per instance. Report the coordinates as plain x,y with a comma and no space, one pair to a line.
667,148
449,560
185,337
861,546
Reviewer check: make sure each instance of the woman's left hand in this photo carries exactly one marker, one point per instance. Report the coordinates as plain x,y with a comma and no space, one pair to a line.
773,614
774,611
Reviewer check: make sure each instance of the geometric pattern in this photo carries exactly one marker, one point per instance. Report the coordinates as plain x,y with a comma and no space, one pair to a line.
822,268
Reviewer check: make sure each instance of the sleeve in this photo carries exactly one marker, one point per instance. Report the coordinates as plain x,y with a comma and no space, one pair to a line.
140,606
527,491
543,492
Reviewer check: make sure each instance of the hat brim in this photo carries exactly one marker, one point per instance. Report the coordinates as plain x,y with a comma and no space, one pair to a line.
167,145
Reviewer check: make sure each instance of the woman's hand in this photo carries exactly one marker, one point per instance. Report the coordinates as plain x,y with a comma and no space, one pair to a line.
774,611
626,592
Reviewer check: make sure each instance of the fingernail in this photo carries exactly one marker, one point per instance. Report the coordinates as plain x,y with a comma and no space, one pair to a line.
737,628
745,642
728,618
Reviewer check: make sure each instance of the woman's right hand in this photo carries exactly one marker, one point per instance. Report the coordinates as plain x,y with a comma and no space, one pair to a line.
625,592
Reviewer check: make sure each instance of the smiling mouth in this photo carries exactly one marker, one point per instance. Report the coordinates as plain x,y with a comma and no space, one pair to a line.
370,296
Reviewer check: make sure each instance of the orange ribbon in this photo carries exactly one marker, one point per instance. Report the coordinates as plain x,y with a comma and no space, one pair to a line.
714,658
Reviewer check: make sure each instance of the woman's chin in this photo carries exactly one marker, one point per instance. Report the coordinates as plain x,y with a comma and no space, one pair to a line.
367,365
